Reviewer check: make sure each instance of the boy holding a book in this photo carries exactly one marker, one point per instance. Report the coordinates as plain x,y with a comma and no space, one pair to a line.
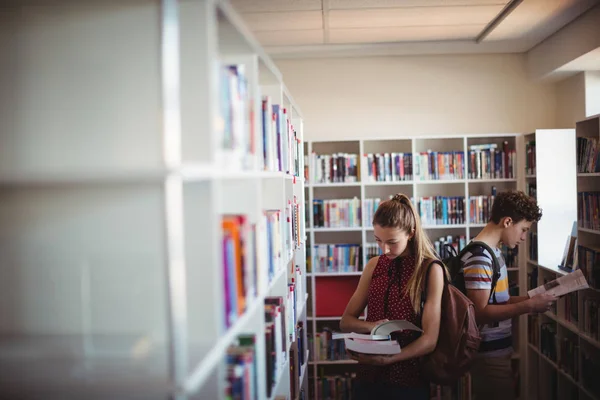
513,212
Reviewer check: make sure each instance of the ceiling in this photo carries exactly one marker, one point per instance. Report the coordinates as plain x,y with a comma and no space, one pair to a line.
326,27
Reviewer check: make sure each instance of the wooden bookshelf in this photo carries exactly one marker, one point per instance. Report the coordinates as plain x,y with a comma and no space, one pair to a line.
556,364
416,186
119,161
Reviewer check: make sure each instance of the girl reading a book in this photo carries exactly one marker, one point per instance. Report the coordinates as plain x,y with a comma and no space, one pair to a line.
391,287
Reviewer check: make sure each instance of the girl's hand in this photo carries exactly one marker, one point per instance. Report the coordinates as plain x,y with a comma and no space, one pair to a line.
371,359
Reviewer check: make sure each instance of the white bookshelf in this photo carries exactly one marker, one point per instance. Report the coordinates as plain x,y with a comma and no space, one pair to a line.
113,182
550,371
415,187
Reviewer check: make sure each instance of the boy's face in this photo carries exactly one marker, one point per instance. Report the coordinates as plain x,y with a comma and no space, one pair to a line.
514,233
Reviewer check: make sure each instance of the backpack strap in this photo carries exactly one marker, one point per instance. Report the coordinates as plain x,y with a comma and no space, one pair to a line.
495,266
426,282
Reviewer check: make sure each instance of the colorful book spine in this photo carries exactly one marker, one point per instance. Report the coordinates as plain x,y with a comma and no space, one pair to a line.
434,165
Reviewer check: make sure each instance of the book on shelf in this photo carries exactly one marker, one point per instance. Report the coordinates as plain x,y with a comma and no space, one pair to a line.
379,341
242,372
480,207
275,338
530,159
334,168
336,258
325,348
388,167
487,161
336,213
443,165
458,242
569,259
587,155
234,127
441,210
338,386
372,250
587,204
239,264
588,260
281,144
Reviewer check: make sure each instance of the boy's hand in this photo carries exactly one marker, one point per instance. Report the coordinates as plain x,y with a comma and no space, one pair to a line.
542,302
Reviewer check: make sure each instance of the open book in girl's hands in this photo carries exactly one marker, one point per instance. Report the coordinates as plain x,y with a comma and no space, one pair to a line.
379,341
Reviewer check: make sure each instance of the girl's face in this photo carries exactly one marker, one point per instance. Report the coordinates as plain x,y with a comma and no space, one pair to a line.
393,242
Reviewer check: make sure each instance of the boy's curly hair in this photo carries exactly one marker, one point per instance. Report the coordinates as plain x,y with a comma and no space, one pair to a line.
516,205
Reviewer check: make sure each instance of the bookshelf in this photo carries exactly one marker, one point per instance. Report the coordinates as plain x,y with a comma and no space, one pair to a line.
411,176
152,201
564,347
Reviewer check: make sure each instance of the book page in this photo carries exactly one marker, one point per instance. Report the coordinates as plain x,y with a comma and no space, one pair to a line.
389,327
372,347
365,336
563,285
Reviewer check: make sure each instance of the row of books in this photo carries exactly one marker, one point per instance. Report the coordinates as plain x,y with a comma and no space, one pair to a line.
340,387
570,307
369,208
569,357
333,387
458,242
445,165
372,250
530,164
281,145
441,210
484,162
235,118
480,209
293,222
297,361
511,256
587,204
587,155
279,149
240,273
325,348
346,213
588,260
487,161
533,246
548,340
389,167
336,258
241,357
252,255
242,372
533,331
337,213
590,371
590,319
335,168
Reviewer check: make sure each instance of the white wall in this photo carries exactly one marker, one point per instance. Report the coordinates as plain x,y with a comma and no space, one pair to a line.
592,93
570,100
401,96
555,54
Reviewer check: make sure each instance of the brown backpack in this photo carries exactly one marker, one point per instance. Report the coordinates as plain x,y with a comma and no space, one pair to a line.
459,338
